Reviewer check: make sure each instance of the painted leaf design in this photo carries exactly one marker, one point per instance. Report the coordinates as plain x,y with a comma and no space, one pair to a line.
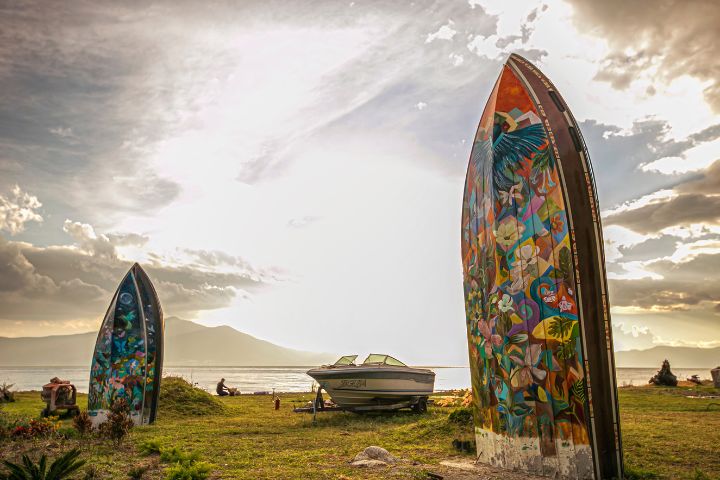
565,262
578,390
542,395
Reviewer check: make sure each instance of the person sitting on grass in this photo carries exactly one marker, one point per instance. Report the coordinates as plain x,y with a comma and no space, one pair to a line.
223,390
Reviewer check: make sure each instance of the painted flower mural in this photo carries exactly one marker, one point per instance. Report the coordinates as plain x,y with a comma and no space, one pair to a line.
523,319
127,361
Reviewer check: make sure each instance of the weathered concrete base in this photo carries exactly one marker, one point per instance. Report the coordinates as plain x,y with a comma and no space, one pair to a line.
98,417
572,462
468,469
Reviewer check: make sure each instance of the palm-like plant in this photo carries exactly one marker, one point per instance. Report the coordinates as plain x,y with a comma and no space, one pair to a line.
60,469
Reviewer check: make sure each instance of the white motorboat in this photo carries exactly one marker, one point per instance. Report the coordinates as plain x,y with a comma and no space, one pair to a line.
380,380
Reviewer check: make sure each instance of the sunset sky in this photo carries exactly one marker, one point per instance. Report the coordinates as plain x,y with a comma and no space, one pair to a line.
295,169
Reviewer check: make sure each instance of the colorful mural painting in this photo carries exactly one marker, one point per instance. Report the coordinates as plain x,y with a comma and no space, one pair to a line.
526,329
127,361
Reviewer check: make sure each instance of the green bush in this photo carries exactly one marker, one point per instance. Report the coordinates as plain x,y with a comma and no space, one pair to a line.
150,447
82,423
461,416
636,473
194,471
177,456
92,473
60,469
68,433
136,473
118,423
5,394
699,475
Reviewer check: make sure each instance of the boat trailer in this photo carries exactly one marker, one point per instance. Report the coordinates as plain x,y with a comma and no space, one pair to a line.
418,404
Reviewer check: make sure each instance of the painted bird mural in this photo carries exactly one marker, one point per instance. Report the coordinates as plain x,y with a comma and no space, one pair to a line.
507,146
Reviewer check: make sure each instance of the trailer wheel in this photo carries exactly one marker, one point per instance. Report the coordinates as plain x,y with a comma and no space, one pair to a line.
420,406
45,412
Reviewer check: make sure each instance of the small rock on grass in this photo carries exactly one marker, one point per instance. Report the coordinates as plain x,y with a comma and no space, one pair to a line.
368,463
373,457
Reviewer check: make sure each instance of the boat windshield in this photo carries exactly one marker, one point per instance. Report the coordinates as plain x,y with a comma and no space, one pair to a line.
380,359
346,360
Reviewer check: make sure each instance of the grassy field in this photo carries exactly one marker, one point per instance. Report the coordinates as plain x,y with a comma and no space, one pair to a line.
667,434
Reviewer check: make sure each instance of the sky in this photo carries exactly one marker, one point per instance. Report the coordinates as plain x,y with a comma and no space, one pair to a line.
295,169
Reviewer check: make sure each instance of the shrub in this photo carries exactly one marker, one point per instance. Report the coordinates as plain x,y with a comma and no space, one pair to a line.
461,416
82,423
43,427
68,433
5,394
150,447
118,423
60,469
184,466
177,456
194,471
636,473
136,473
7,425
92,473
699,475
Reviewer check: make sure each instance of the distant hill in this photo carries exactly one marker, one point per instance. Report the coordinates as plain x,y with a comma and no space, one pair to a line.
186,343
679,357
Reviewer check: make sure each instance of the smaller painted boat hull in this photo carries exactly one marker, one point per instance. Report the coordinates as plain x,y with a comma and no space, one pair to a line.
358,386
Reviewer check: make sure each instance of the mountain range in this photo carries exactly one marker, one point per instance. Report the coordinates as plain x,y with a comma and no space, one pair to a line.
191,344
186,343
679,357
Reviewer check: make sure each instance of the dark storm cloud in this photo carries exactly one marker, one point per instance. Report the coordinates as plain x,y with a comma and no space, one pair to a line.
617,155
67,283
681,210
652,248
684,284
70,98
695,201
680,36
707,182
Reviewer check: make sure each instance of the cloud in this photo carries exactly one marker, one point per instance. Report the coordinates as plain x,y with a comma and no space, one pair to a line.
706,182
456,59
681,282
693,201
75,282
629,336
307,219
678,210
662,41
445,32
17,209
62,132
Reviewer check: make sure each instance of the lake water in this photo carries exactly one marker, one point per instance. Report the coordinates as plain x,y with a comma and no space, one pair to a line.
282,379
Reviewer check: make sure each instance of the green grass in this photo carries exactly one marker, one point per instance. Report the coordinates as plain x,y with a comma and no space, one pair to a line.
666,435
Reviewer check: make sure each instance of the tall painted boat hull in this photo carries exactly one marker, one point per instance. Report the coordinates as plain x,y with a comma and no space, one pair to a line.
537,314
127,360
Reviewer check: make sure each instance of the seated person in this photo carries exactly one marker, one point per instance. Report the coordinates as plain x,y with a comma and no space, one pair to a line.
223,390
